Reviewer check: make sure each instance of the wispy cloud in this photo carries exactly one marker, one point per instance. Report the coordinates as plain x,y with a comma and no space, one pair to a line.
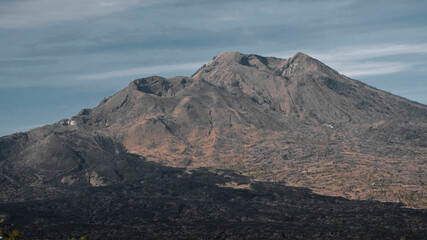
142,71
356,69
352,53
34,13
355,61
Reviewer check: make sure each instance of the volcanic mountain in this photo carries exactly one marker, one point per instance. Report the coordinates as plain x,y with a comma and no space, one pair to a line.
291,121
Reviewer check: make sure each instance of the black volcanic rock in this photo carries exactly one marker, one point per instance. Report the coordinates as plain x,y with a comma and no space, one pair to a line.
275,121
170,203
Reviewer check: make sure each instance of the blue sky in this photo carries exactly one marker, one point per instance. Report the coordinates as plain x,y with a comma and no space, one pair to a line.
57,57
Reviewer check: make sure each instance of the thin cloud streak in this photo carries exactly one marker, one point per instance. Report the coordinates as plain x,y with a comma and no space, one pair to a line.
372,68
356,61
351,61
35,13
143,71
352,53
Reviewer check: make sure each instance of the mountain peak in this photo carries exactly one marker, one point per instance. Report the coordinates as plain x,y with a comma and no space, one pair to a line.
301,55
302,87
228,55
248,60
305,60
236,60
237,56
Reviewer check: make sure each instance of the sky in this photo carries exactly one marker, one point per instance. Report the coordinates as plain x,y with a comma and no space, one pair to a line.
57,57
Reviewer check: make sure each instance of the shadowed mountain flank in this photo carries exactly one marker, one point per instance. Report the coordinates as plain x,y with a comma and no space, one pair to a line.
269,122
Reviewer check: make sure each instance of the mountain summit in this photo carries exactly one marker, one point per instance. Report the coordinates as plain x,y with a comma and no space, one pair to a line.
303,87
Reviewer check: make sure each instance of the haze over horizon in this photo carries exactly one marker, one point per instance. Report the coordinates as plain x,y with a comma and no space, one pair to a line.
60,57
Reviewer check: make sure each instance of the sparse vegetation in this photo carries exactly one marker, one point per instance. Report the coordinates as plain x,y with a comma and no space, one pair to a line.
6,233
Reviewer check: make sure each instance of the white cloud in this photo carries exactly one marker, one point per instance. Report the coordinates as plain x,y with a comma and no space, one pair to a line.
371,68
352,53
34,13
355,61
142,71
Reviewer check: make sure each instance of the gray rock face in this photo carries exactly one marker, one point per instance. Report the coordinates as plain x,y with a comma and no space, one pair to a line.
305,88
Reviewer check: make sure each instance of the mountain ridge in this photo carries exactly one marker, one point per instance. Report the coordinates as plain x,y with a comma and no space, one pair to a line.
248,147
270,118
284,86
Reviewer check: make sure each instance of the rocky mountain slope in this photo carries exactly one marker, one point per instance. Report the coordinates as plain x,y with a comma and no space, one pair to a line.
291,121
305,88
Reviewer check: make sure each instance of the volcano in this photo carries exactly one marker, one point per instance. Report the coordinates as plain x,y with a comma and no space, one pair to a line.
260,129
